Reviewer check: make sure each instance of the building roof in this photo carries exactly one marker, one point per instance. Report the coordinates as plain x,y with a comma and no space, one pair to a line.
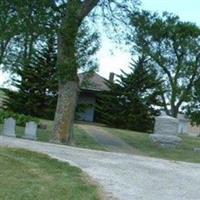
93,82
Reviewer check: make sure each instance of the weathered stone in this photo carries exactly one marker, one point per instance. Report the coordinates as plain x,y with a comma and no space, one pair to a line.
31,131
166,141
183,126
165,132
166,125
9,127
197,150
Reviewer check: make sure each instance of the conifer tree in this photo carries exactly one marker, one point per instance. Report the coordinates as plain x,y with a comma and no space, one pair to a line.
36,84
130,102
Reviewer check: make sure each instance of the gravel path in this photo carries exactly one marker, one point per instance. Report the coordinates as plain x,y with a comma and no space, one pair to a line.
123,176
107,140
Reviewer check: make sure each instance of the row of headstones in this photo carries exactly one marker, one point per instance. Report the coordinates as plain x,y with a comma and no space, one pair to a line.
9,128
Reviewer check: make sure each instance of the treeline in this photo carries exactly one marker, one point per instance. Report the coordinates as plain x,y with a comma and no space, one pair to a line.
165,74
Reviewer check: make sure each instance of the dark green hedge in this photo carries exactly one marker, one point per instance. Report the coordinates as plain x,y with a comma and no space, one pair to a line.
20,118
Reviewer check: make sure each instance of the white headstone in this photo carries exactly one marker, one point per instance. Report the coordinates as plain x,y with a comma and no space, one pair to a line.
31,130
9,127
166,131
166,125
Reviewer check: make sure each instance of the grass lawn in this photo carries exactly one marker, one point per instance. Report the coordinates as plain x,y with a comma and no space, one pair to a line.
142,143
42,134
83,140
25,175
139,141
80,139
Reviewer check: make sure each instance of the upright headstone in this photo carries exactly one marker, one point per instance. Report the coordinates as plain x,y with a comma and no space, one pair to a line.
183,126
31,131
9,127
166,131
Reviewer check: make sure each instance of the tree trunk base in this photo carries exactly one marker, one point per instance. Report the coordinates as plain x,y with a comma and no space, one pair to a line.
65,111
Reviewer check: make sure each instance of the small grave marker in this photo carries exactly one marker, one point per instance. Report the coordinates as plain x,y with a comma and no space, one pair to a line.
9,127
31,131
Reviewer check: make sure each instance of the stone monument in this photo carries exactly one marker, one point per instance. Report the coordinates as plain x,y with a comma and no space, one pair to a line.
9,127
31,131
166,131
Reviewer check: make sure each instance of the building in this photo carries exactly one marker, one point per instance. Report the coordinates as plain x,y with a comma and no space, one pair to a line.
90,86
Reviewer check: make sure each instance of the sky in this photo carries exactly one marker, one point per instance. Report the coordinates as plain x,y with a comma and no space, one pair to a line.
112,59
187,10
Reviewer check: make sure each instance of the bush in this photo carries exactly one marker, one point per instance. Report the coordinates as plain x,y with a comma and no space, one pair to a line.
20,118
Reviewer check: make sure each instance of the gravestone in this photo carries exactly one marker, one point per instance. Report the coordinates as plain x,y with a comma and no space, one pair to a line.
9,127
165,132
197,150
31,131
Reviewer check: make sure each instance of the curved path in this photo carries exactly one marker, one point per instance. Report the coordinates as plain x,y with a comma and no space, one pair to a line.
123,176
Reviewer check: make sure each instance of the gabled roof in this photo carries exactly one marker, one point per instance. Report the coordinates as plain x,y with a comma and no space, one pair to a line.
93,82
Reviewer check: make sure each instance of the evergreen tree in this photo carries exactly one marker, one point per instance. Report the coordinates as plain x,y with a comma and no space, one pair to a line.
130,102
36,84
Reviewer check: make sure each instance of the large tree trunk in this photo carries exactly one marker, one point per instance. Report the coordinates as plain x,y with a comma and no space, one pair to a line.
67,66
65,110
67,91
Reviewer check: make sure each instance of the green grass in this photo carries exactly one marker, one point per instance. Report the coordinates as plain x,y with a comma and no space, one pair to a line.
142,143
83,140
80,138
26,175
43,135
139,141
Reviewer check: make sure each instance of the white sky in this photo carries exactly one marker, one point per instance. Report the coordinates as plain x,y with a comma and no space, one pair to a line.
188,10
112,59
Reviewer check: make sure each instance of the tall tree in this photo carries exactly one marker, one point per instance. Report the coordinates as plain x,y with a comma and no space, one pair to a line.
66,18
173,47
130,102
36,84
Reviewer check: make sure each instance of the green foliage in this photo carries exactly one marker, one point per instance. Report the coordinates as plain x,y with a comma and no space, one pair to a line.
36,85
129,103
193,108
173,50
23,24
20,118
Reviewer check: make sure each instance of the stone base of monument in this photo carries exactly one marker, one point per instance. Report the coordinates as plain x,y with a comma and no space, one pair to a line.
29,137
166,141
197,150
9,135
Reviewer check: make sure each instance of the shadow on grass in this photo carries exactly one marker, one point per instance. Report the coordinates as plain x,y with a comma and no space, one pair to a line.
142,143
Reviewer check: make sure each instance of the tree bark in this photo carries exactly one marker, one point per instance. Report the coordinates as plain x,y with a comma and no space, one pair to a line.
64,117
67,67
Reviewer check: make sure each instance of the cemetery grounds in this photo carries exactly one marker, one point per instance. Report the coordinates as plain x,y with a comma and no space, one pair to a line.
140,142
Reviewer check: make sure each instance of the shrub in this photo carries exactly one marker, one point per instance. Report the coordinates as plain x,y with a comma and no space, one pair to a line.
20,118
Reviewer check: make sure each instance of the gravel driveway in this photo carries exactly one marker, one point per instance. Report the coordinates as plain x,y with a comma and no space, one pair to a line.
123,176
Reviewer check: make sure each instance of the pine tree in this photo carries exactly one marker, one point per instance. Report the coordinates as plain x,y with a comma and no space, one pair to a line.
130,102
36,85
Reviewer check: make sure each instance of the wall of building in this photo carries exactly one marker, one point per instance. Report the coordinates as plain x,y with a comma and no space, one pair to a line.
89,100
194,130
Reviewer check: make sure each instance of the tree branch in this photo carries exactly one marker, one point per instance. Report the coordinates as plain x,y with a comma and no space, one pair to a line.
86,8
191,82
